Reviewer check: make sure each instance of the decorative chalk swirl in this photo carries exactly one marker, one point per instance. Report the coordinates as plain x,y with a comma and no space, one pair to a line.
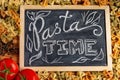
33,42
92,21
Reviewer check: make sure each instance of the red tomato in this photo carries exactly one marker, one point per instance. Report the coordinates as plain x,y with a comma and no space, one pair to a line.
8,69
27,74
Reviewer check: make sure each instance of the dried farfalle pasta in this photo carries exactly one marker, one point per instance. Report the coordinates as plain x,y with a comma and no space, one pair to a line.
10,22
86,2
102,2
10,28
45,2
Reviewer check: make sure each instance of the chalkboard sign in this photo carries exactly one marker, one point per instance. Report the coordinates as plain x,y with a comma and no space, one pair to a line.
65,38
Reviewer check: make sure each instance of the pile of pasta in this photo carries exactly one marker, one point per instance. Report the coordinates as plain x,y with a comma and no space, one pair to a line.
10,30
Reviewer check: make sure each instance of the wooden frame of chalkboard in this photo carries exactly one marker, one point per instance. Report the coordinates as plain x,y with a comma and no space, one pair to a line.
65,38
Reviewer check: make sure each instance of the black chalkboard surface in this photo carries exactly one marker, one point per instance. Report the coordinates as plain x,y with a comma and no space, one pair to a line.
65,37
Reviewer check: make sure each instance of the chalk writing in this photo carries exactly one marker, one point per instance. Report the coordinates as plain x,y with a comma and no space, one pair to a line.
43,38
29,44
81,60
88,47
35,57
76,46
100,56
49,46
